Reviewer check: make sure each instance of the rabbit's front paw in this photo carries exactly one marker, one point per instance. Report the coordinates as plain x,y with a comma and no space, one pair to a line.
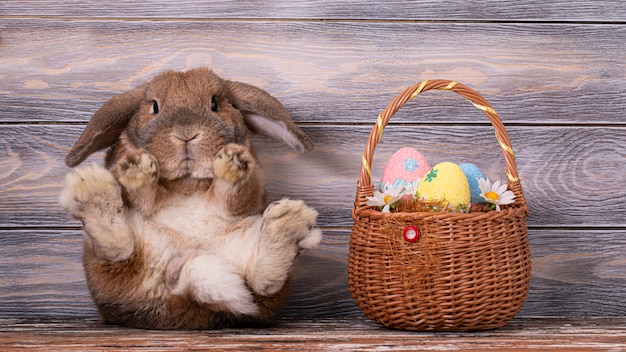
137,169
232,163
91,191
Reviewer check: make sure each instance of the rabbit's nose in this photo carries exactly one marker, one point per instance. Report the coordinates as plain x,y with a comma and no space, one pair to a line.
186,139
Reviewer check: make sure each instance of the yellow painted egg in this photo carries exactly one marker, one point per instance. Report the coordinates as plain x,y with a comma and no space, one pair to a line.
445,182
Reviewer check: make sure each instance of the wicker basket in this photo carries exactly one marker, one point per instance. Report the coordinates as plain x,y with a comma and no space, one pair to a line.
468,271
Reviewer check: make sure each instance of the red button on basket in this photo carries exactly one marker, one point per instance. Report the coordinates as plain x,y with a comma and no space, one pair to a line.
411,234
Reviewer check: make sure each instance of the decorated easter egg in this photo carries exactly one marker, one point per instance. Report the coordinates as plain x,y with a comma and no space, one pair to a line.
447,183
473,173
405,168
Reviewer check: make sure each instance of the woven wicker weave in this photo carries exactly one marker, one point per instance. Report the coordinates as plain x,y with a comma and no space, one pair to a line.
468,271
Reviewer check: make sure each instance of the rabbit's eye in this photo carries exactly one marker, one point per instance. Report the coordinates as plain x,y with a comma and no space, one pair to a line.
155,107
213,103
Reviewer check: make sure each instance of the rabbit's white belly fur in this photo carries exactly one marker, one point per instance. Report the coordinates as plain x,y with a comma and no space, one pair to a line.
192,227
199,222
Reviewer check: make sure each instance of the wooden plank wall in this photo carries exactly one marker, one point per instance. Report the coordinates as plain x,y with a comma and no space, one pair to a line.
555,71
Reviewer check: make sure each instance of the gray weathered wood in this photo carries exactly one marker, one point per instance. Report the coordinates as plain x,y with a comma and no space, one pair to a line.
324,72
526,10
553,70
572,176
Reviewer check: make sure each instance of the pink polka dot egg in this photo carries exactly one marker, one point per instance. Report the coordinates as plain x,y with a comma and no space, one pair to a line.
405,168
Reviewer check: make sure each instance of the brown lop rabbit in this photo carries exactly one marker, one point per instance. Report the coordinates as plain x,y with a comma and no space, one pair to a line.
176,234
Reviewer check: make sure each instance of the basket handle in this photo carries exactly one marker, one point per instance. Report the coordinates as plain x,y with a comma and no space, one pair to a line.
365,178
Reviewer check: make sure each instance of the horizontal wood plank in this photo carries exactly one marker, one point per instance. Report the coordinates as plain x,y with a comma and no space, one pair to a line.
324,72
572,177
574,274
526,10
302,334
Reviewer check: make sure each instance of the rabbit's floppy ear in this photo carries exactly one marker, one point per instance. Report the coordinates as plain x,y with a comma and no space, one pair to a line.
106,125
264,114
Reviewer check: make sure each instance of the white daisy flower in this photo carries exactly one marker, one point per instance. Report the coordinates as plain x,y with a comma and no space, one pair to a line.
495,193
386,200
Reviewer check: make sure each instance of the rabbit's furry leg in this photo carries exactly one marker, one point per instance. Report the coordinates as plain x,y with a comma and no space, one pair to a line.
288,228
92,195
212,280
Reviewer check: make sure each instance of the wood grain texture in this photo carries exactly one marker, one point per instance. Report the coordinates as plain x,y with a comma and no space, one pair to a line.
572,176
535,10
324,72
302,334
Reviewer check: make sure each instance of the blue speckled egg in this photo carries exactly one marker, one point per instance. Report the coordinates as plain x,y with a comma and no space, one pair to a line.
473,173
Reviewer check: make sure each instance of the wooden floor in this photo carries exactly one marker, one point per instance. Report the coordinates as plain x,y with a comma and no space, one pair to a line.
554,70
337,334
